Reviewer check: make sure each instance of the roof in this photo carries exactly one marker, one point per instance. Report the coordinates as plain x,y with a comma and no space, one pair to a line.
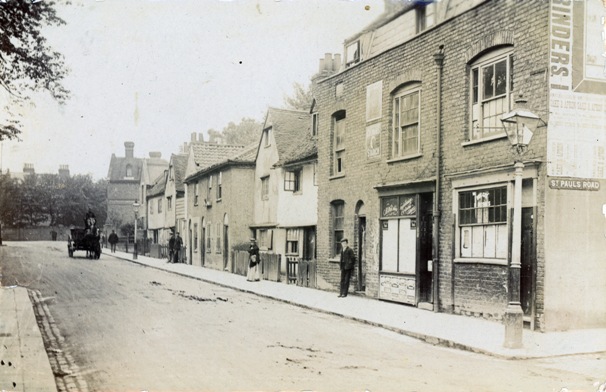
179,163
117,169
246,156
158,186
207,154
292,133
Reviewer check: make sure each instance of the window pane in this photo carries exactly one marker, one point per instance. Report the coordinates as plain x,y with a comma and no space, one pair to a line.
407,205
390,206
488,82
500,77
474,86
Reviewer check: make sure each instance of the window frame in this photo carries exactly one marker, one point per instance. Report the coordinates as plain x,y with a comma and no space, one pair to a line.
315,118
479,105
292,242
354,57
267,137
495,224
159,205
338,139
169,203
337,226
265,188
292,180
397,133
219,186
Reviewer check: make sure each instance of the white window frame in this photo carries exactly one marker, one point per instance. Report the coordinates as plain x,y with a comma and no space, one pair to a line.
339,131
486,111
486,239
397,141
338,225
267,137
352,53
265,188
292,180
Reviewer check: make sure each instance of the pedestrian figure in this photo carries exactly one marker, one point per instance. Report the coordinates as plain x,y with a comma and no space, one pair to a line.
171,247
346,264
177,248
253,274
113,240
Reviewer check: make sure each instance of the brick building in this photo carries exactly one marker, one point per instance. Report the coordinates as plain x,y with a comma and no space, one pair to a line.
415,169
124,177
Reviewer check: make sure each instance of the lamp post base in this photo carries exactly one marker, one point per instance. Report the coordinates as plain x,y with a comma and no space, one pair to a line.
513,319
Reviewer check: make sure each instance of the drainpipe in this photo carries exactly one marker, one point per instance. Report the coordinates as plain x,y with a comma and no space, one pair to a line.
439,59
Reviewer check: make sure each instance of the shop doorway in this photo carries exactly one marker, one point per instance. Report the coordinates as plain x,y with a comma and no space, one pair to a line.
425,243
361,267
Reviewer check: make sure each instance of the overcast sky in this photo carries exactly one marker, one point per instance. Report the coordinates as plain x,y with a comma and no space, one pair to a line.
154,71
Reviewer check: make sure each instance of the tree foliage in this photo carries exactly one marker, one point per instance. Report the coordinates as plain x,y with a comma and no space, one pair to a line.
246,132
300,99
51,199
27,63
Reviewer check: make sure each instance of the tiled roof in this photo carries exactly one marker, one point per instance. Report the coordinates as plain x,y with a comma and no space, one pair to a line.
158,186
117,168
179,163
292,133
207,154
247,154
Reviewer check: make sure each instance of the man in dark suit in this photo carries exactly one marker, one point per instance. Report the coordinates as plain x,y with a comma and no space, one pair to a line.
347,262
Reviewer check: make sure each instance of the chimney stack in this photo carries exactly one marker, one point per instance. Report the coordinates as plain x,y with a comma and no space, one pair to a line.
129,148
64,171
155,154
336,64
200,137
192,137
328,62
28,168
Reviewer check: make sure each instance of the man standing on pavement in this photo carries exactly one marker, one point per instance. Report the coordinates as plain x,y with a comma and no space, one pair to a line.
113,240
171,247
346,264
177,248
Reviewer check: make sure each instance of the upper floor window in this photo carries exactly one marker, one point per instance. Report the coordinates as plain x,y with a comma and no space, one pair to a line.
265,188
159,206
292,181
483,223
352,53
314,124
490,93
219,187
267,137
169,203
210,188
406,135
338,142
196,193
129,170
425,15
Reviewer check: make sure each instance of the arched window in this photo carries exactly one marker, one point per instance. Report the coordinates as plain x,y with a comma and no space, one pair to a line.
491,84
129,170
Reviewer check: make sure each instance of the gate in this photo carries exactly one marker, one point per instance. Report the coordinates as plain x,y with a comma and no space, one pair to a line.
301,272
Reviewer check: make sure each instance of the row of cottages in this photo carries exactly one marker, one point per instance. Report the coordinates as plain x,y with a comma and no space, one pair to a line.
415,168
266,191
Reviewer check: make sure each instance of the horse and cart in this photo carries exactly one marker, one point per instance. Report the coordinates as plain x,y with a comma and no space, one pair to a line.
87,238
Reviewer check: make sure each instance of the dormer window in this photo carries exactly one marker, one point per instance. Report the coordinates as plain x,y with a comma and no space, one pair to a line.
352,53
267,137
314,124
129,171
425,15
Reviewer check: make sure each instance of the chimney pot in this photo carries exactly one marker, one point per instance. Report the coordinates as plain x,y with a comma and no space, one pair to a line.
337,62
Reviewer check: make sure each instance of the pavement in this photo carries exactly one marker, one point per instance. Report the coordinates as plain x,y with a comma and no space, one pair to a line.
24,362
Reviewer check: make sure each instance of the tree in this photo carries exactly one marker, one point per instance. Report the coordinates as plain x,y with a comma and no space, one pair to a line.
246,132
27,63
301,98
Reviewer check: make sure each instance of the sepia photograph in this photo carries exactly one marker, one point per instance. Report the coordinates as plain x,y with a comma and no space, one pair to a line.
302,195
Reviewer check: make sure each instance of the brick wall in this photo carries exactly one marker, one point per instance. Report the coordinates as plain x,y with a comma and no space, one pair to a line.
465,37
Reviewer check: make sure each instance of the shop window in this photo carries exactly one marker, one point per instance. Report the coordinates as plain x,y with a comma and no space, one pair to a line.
338,220
399,233
406,134
292,181
483,223
491,84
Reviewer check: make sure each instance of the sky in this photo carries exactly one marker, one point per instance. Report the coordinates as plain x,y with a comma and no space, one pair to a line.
155,71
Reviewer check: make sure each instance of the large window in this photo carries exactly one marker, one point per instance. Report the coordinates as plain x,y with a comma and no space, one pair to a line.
491,86
338,220
483,223
292,181
405,138
399,234
338,143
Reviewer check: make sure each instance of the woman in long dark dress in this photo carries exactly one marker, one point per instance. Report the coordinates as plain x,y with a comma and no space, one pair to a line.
253,274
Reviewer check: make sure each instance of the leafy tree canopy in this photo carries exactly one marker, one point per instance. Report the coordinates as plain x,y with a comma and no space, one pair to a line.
300,99
27,63
246,132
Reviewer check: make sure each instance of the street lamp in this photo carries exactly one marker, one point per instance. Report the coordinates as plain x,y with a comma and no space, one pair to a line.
519,124
136,208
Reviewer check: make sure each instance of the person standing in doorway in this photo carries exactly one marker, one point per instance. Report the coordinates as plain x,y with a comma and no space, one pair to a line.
113,240
346,264
177,248
253,274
